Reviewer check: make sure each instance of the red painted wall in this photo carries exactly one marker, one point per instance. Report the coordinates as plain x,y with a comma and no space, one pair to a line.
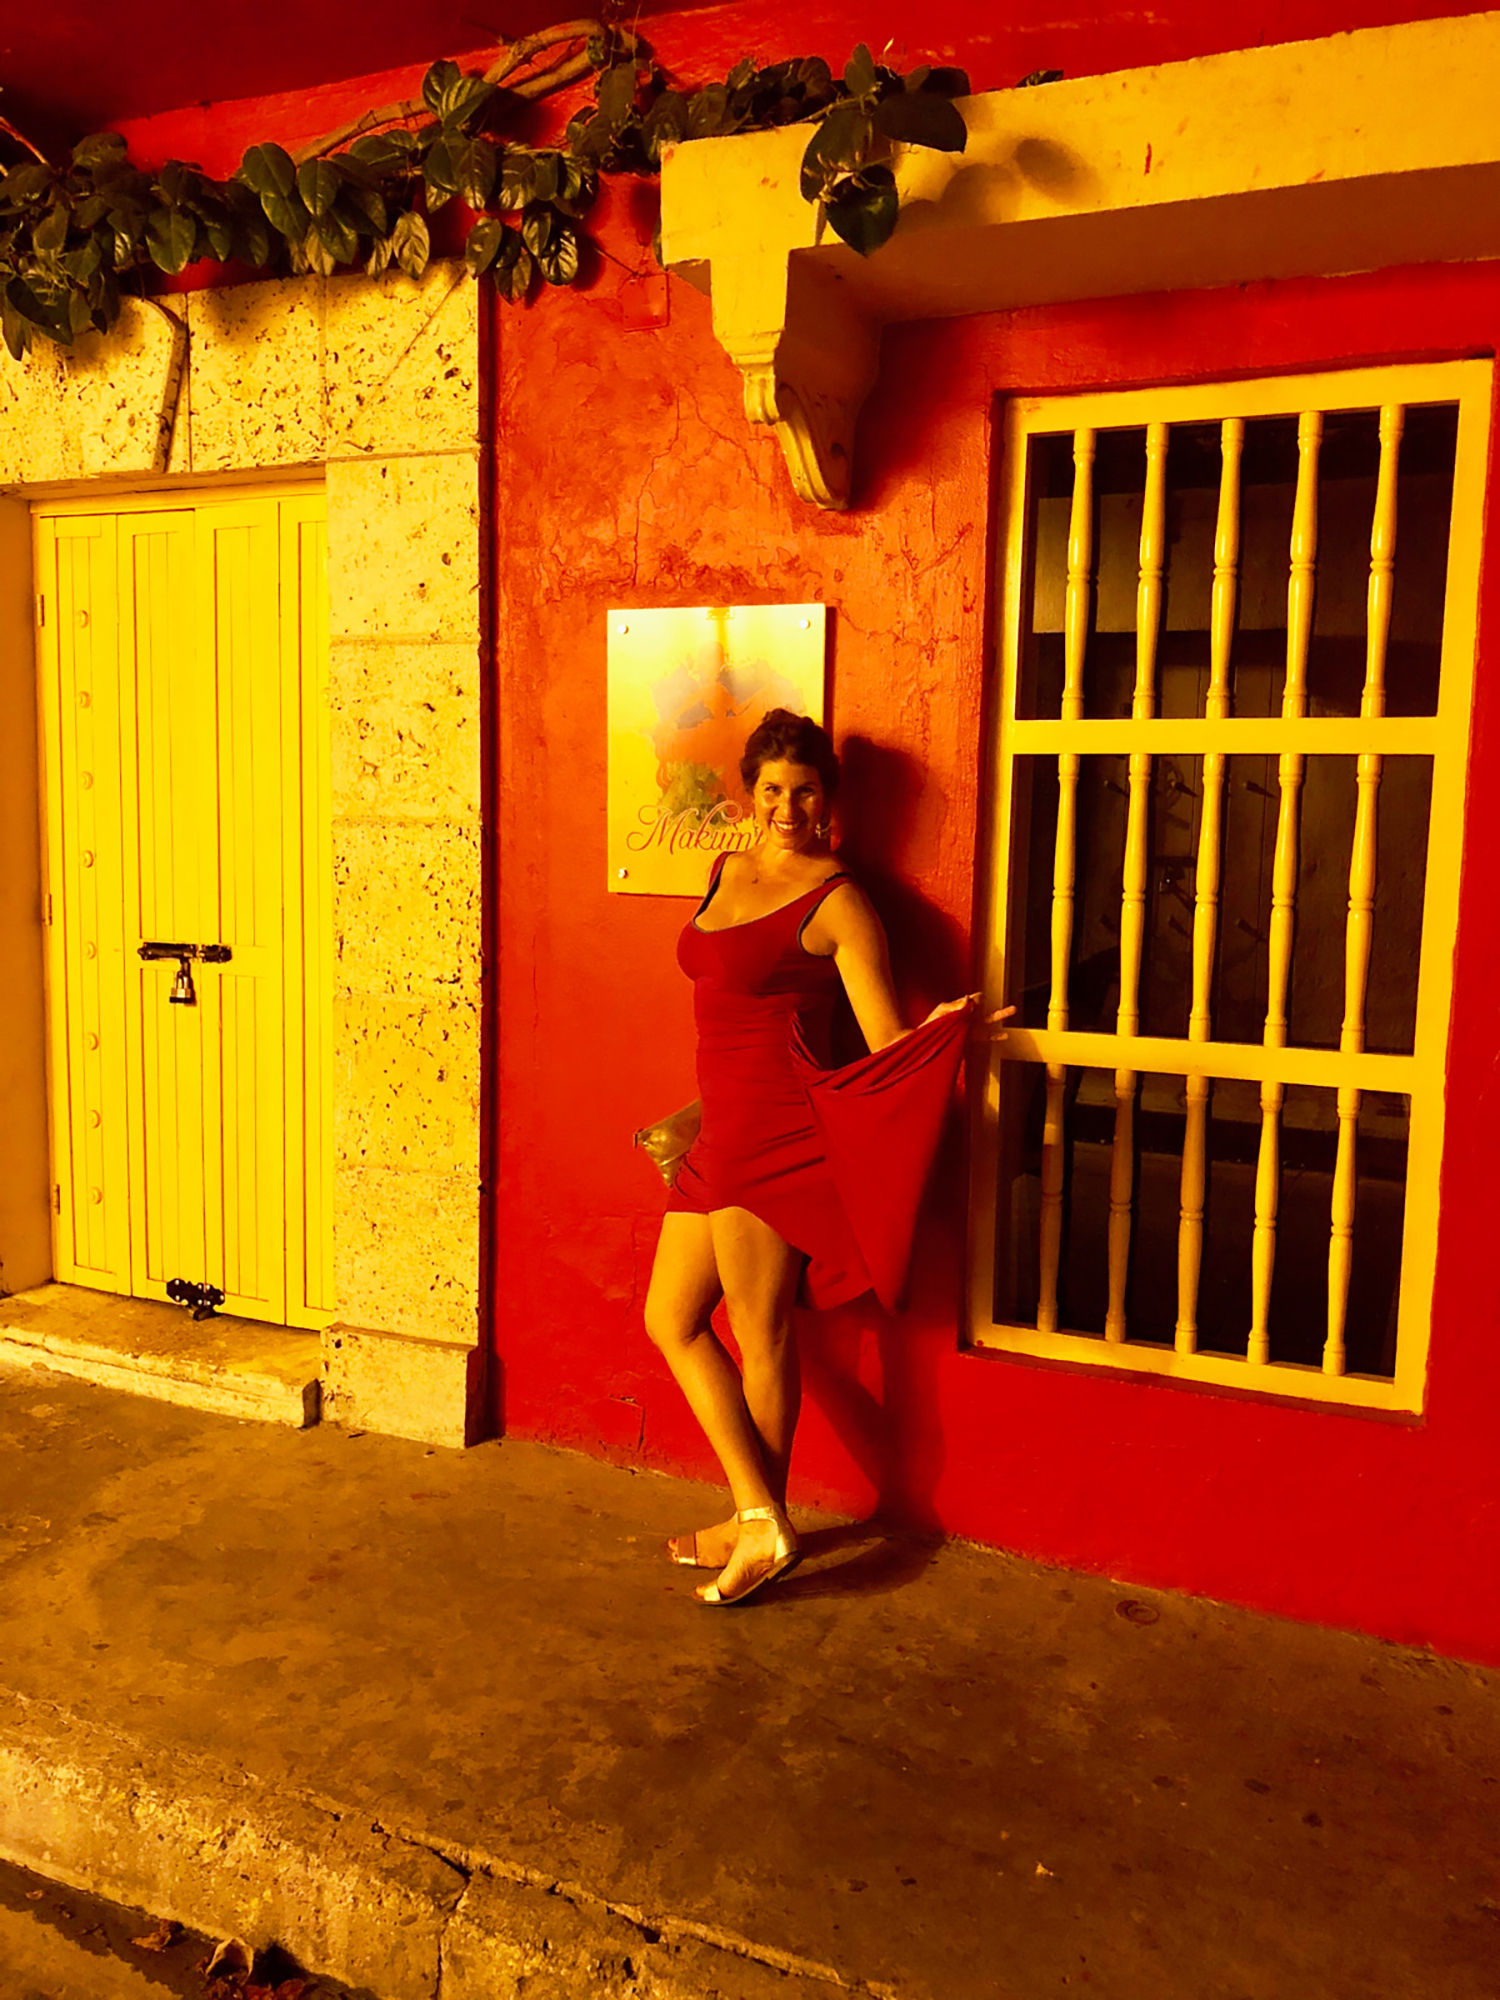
639,483
626,474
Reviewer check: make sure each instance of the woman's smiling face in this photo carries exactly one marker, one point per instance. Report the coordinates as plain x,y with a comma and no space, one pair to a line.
789,805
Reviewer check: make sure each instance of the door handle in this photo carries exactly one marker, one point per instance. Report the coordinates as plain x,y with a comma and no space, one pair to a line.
184,993
210,954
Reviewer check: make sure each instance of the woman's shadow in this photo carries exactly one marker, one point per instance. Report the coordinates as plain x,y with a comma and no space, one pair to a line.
888,807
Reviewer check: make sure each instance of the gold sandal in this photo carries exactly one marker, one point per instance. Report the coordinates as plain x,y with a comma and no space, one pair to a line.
785,1556
686,1562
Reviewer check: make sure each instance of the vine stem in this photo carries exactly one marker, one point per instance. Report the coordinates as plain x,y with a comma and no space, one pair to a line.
552,76
21,140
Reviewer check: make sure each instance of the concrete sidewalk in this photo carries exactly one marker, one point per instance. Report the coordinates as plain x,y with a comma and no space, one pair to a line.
447,1722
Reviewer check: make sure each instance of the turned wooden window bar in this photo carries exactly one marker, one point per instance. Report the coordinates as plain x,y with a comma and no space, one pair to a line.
1192,1198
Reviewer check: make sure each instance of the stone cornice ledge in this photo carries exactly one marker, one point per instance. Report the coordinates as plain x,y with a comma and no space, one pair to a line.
1305,159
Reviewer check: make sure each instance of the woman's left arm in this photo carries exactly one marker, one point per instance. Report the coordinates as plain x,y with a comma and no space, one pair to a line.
846,928
846,921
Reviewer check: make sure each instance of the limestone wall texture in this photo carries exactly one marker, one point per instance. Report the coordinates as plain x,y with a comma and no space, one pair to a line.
378,385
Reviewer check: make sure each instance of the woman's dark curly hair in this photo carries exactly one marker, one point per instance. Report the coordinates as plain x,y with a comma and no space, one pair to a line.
783,737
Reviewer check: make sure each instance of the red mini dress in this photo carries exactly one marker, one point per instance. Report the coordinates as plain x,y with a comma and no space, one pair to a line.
833,1160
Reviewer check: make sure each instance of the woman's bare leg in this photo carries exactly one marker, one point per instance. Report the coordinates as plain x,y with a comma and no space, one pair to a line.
685,1287
758,1271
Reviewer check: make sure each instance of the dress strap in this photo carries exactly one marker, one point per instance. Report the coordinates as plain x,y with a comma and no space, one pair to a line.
714,875
819,896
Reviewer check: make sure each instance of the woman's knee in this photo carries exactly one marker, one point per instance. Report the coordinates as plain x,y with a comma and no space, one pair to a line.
762,1336
668,1327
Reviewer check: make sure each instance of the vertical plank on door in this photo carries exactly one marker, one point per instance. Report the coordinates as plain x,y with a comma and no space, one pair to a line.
309,944
80,729
166,787
238,555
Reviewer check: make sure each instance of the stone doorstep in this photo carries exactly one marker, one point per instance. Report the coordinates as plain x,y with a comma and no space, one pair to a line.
234,1368
377,1907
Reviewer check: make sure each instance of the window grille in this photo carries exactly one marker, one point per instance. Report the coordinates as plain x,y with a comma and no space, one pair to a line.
1236,651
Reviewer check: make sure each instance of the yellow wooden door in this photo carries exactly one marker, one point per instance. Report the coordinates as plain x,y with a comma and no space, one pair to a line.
191,1136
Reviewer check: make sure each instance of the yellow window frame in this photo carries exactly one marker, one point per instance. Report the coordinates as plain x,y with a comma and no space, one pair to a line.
1444,737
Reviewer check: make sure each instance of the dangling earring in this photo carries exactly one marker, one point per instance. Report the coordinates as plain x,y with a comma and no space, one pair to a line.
824,830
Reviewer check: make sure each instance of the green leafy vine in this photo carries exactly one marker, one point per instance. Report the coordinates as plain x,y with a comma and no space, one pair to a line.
74,237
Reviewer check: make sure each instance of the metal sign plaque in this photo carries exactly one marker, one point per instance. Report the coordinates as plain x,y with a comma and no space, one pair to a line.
686,688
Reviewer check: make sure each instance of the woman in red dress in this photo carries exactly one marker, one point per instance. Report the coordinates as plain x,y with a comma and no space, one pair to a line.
767,1199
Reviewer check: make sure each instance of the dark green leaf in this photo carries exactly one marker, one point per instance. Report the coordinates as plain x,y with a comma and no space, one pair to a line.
475,164
51,233
269,170
104,296
708,112
379,257
318,183
172,182
170,237
545,175
1036,76
665,123
517,178
863,211
742,74
83,262
367,204
220,234
859,72
26,182
483,243
26,303
287,215
122,180
840,146
558,261
591,137
460,104
814,77
537,223
440,171
318,257
440,78
16,330
335,241
128,231
921,120
410,243
80,314
616,93
577,186
384,152
512,275
252,239
98,148
946,81
92,209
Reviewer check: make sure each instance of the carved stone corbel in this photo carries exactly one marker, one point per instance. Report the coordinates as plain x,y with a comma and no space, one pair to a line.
809,380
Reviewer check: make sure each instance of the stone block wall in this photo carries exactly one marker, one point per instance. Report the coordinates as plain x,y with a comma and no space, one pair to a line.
377,384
